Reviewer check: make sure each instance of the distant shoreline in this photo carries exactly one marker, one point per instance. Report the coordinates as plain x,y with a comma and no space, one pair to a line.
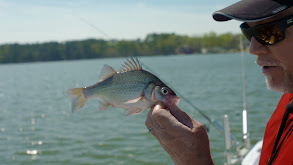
153,45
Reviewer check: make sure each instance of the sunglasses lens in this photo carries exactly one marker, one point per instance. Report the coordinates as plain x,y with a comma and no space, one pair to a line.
247,33
269,34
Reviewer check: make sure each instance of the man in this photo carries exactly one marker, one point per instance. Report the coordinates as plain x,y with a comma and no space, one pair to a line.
267,24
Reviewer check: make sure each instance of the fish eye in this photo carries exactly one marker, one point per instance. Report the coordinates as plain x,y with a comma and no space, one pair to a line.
164,91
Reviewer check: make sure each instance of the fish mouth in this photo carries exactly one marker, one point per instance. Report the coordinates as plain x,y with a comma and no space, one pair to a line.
173,101
176,100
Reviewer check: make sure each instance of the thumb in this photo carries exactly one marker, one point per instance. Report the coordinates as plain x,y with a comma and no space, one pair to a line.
181,116
162,117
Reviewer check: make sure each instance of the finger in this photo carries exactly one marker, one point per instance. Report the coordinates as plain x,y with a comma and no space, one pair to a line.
163,117
151,123
181,116
150,118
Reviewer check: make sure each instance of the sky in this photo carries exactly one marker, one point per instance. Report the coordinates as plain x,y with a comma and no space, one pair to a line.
38,21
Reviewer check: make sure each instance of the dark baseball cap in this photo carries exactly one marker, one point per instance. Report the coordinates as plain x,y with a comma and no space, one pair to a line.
252,10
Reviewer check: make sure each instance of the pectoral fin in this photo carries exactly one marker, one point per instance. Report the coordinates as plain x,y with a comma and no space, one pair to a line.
103,105
134,100
133,111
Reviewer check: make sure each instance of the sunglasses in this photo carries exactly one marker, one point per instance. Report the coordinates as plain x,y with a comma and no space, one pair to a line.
268,33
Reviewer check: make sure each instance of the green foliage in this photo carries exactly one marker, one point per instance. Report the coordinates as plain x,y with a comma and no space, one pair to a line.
153,44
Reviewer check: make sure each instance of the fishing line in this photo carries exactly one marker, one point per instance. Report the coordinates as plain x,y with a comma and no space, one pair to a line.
94,27
90,25
216,124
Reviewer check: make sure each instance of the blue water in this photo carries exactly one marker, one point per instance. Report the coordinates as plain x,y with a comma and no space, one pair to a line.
37,126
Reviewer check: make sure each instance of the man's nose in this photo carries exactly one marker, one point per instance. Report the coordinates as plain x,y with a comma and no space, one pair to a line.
257,48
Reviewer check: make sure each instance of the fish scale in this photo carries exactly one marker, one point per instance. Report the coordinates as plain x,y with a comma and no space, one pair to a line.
131,88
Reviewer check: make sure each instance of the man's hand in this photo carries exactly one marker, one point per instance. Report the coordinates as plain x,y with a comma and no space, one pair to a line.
183,138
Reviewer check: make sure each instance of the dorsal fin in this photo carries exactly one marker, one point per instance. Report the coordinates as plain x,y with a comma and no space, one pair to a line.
106,72
129,65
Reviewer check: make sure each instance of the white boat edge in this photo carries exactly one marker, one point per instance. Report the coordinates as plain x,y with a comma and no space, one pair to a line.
252,157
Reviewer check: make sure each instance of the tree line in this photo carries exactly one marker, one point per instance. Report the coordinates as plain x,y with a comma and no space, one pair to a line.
153,44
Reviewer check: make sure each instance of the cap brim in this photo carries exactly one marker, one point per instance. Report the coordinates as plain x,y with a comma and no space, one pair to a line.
250,10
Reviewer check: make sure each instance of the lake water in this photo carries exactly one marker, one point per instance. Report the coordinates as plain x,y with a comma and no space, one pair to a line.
37,126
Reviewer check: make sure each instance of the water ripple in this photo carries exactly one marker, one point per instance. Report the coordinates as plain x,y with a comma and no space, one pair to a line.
38,127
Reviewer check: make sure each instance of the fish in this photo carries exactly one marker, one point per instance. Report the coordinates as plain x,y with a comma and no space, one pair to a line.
130,88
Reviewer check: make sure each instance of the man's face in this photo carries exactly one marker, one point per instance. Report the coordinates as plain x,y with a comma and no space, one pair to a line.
276,60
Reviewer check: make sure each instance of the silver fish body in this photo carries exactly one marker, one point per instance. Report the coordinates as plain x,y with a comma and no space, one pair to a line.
131,88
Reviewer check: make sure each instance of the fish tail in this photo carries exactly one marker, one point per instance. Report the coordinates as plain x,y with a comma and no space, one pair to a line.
77,97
